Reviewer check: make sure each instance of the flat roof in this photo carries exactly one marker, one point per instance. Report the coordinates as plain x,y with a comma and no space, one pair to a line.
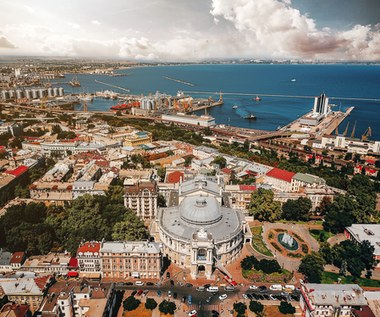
370,232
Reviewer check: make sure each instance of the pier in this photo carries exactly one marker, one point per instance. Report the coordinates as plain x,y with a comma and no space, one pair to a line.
213,104
179,81
329,129
110,85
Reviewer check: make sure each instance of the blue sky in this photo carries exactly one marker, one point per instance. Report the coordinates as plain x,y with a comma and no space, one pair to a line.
179,30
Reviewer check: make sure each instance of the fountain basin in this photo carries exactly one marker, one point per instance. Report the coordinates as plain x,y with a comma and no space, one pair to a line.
287,241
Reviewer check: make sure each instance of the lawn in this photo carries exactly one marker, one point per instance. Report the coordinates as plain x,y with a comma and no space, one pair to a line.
331,278
257,241
321,235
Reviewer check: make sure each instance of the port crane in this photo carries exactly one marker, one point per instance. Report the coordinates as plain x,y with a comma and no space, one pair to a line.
353,131
346,130
367,134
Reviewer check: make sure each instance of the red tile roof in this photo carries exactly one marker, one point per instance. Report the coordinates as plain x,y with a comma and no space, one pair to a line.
89,247
42,281
18,310
281,174
17,257
247,187
73,262
175,177
227,171
18,171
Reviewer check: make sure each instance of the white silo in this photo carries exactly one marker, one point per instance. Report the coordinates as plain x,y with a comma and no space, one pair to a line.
55,89
61,92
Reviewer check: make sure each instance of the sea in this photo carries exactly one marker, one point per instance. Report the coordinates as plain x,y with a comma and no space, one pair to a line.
287,91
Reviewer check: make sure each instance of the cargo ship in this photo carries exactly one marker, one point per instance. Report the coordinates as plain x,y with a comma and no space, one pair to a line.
124,106
251,117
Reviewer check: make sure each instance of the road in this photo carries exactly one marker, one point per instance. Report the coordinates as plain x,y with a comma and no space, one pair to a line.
204,302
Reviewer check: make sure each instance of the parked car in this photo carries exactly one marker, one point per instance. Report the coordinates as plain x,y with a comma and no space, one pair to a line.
174,295
245,296
150,284
139,292
184,299
139,283
133,293
215,313
229,288
128,283
223,296
159,293
200,289
180,284
263,289
275,287
169,293
252,287
193,313
189,285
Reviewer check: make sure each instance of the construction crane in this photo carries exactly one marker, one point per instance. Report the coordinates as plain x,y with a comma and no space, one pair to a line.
367,134
353,131
336,130
346,130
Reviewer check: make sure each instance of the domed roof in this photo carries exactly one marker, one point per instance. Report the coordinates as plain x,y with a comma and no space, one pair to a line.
200,210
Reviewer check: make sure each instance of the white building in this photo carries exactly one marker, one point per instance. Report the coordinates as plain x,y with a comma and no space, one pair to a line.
89,262
202,121
330,300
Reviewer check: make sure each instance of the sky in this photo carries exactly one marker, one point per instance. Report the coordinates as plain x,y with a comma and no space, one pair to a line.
192,30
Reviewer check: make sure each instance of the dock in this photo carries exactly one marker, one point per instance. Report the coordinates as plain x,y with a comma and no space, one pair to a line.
337,121
208,106
113,86
179,81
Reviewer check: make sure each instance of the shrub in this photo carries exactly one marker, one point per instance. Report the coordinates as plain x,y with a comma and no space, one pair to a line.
131,303
150,304
305,248
256,307
286,308
167,307
270,235
275,245
240,308
298,237
295,255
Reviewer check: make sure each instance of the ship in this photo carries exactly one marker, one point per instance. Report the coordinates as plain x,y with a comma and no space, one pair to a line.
293,80
74,82
124,106
87,97
257,98
234,107
251,117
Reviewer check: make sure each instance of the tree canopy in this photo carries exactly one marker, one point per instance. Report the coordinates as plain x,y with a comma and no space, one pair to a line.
297,210
263,207
312,267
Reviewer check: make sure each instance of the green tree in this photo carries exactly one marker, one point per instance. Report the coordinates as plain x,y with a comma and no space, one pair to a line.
312,267
297,210
131,228
161,201
221,161
150,304
240,308
246,264
256,307
131,303
167,307
263,207
340,214
286,308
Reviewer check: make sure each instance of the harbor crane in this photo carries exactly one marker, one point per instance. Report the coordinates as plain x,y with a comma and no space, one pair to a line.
353,131
346,130
367,134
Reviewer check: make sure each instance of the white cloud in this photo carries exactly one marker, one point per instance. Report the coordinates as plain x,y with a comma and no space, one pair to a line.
4,43
96,22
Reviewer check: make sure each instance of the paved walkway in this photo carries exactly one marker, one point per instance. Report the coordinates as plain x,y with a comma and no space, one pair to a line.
302,230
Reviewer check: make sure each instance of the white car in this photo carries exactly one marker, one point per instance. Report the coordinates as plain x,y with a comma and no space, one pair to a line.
139,283
193,313
223,297
252,287
245,296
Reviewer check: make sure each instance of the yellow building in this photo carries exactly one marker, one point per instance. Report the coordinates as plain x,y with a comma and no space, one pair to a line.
137,139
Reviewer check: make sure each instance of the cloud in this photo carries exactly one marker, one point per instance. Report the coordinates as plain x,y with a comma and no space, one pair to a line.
4,43
96,22
273,28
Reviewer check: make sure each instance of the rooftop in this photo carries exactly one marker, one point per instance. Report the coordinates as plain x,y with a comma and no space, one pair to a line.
334,294
93,247
370,232
281,174
130,247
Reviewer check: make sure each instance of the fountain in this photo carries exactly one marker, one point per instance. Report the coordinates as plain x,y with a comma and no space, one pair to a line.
287,241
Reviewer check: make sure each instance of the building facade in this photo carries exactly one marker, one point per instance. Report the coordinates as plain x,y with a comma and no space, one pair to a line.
137,259
88,256
141,197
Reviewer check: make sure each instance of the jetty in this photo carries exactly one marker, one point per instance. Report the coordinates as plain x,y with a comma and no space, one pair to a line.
110,85
179,81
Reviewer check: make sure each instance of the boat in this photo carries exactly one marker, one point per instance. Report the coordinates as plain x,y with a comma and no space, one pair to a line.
234,107
74,82
257,98
87,97
251,117
293,80
124,106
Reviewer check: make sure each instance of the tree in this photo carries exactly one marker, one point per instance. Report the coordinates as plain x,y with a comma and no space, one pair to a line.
130,228
221,161
131,303
340,214
161,201
240,308
312,267
246,264
297,210
268,266
256,307
167,307
150,304
286,308
263,207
